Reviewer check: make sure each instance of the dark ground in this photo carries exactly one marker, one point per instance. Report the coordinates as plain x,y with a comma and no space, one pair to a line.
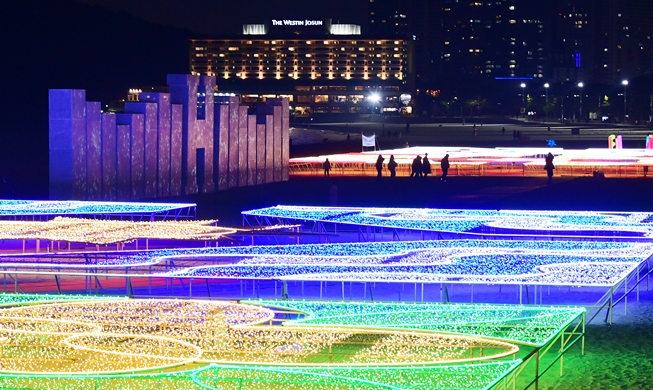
583,193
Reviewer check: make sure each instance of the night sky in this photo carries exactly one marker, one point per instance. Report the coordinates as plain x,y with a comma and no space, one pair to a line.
212,17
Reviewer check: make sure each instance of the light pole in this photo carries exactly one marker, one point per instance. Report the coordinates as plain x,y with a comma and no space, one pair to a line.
546,104
625,84
523,86
580,85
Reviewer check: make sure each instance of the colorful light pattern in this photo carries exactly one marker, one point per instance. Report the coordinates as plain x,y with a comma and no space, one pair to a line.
101,232
473,221
511,262
152,334
561,263
487,161
534,325
133,335
453,377
51,207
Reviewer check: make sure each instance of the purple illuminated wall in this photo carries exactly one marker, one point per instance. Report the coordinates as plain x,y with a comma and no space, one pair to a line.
93,150
108,157
151,150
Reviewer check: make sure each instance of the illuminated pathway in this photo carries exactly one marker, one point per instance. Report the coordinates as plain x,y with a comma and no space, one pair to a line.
80,342
466,161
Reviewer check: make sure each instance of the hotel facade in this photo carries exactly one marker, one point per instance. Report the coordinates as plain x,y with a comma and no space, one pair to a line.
322,68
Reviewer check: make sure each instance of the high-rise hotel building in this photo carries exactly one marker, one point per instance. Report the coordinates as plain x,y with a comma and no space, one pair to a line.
321,67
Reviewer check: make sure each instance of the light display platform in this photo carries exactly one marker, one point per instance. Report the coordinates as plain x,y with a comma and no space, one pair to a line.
551,263
466,161
17,209
126,343
105,231
636,225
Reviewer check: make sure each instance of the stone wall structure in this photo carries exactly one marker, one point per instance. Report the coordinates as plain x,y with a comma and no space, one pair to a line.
186,141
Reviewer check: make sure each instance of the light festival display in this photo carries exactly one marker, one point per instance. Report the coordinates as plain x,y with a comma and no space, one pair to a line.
20,208
613,224
107,231
561,263
125,343
487,161
553,263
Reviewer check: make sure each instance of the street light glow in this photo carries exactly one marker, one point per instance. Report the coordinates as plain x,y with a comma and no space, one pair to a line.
375,97
625,82
580,85
546,85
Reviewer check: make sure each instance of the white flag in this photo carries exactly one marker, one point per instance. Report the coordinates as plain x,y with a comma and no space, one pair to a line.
369,141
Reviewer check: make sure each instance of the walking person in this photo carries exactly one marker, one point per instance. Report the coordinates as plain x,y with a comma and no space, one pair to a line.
503,130
379,166
416,167
444,164
327,167
548,166
392,166
426,165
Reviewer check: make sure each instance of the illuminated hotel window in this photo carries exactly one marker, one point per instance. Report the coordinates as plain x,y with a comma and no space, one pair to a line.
321,98
232,48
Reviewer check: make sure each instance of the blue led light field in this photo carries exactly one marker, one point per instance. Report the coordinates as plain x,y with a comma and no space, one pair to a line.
635,224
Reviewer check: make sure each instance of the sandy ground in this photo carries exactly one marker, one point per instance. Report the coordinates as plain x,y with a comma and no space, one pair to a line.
618,356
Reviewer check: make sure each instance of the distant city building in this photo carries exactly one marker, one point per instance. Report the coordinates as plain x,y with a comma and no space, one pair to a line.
319,66
494,39
602,42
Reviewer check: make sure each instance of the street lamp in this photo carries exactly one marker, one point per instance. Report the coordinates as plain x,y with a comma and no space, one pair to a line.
546,104
580,85
374,98
625,84
523,86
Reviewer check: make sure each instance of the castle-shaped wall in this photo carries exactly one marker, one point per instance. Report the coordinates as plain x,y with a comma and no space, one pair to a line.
168,144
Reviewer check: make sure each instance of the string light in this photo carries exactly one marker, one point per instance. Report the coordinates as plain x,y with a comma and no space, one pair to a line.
451,220
332,344
534,325
102,232
494,261
53,207
487,161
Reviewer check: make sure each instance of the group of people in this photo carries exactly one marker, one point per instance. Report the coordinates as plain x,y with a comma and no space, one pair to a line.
421,167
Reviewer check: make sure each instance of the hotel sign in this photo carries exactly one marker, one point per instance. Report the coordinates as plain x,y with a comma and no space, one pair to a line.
289,22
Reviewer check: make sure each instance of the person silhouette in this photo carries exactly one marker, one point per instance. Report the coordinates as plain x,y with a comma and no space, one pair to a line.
392,166
426,165
327,167
416,167
548,166
503,130
444,164
379,166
